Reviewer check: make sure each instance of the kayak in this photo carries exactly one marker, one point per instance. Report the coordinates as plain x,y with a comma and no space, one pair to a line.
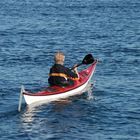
54,93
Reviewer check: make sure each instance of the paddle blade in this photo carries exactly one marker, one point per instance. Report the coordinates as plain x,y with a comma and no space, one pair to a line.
88,59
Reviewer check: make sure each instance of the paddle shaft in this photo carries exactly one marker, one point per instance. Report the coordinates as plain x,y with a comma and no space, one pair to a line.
20,98
77,65
20,102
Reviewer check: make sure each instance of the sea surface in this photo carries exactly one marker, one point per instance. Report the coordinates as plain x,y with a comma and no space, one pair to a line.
32,31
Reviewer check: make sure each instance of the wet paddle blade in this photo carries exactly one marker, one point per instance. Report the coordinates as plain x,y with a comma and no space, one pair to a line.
88,59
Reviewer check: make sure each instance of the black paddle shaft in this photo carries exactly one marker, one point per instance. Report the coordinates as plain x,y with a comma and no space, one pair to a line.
88,59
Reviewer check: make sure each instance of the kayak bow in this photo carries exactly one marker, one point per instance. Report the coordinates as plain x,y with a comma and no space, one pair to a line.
53,93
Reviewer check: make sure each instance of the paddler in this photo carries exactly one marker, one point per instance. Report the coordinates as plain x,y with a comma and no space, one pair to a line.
59,74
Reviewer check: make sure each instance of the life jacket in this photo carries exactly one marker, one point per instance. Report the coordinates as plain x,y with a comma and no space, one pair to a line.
60,74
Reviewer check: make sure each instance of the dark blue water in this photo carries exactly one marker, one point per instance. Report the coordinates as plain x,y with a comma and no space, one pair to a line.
31,31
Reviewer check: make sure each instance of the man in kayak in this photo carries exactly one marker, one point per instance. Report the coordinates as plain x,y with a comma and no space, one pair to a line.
59,74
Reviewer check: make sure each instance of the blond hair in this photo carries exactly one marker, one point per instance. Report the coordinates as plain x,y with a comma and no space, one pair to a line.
59,58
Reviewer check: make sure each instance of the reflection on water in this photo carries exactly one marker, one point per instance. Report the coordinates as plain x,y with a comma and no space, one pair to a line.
53,119
33,122
28,115
32,113
36,124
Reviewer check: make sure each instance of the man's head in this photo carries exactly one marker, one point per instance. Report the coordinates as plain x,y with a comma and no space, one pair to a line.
59,58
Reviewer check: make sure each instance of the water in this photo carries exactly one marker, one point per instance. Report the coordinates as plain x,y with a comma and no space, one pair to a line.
31,31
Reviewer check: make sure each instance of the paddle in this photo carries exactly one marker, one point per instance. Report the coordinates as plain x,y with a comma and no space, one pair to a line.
20,98
88,59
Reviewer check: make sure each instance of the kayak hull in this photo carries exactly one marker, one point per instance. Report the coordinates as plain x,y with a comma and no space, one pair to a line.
40,99
57,93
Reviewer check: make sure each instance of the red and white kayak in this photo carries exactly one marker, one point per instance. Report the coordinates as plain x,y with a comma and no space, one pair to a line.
54,93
